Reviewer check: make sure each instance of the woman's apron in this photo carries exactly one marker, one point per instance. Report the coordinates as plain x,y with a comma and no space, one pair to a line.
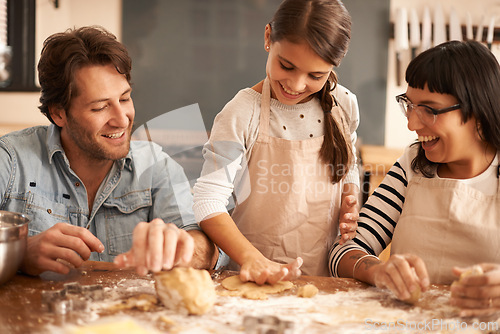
292,208
448,223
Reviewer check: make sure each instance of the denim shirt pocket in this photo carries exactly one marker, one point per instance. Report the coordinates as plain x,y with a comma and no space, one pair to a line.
43,212
121,215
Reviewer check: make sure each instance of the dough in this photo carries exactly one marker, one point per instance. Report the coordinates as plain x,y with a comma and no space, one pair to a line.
142,302
414,297
186,290
307,291
415,294
472,271
117,326
252,290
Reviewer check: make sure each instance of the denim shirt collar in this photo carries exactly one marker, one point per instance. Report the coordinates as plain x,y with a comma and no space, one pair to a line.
54,146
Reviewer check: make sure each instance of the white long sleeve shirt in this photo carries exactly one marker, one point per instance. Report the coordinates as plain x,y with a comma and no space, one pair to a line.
235,131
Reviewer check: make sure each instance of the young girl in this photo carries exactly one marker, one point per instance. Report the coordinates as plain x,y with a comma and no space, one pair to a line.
286,148
439,203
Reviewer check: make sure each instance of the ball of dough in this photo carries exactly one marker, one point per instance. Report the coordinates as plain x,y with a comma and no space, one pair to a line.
415,294
472,271
186,290
307,291
414,297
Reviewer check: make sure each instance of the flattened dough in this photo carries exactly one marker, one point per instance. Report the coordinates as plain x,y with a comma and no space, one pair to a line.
117,326
252,290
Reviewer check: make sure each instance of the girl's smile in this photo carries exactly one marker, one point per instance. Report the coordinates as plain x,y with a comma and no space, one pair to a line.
295,71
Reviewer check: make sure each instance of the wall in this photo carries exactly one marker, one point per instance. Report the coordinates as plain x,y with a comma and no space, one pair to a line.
204,52
364,68
397,134
21,109
194,52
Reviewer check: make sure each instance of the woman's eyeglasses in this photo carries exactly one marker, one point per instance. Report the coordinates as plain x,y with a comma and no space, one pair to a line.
425,113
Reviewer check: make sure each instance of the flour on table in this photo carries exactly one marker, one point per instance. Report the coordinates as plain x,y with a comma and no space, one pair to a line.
352,311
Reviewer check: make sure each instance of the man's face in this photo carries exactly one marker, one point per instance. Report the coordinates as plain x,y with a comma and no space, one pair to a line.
98,124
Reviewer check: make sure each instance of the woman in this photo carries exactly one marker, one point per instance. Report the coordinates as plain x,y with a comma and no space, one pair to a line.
294,137
439,203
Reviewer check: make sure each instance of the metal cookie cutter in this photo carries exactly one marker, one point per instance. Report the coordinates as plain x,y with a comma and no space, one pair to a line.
267,324
71,298
217,272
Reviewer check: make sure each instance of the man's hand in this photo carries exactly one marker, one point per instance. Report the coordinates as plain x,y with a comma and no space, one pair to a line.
60,244
205,254
157,246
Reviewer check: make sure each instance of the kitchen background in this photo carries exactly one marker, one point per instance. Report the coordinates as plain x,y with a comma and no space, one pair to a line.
190,57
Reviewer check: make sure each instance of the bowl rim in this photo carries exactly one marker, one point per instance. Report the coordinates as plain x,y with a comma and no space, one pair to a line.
23,219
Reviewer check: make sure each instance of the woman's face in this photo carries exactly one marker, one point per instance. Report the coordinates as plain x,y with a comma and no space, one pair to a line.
448,140
295,71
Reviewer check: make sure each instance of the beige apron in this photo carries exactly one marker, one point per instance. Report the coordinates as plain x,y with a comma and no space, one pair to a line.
448,223
291,210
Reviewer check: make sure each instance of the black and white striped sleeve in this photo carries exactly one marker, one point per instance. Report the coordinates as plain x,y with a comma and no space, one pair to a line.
378,216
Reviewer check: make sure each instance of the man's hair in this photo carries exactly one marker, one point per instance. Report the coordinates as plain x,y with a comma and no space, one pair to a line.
64,53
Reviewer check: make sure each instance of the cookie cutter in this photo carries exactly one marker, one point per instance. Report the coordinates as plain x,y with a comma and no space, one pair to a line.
267,324
72,297
216,274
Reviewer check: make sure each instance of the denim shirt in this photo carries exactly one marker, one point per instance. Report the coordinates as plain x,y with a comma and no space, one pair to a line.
37,180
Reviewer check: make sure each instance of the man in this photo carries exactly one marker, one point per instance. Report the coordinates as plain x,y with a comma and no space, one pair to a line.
90,192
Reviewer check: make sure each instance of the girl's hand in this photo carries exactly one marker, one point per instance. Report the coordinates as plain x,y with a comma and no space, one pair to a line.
477,294
263,270
348,219
402,274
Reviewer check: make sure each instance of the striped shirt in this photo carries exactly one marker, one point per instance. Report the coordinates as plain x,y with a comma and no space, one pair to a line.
381,212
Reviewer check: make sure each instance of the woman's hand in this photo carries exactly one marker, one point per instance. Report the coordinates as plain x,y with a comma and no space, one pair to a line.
263,270
348,218
477,294
402,274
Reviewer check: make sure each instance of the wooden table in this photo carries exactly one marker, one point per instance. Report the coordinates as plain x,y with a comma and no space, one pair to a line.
342,306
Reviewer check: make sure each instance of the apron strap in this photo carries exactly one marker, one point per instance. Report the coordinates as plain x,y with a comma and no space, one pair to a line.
265,110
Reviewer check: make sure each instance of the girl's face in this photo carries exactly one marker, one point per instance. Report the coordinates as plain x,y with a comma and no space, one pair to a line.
448,140
295,71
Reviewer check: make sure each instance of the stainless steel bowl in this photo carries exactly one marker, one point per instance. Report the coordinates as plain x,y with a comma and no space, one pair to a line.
13,236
